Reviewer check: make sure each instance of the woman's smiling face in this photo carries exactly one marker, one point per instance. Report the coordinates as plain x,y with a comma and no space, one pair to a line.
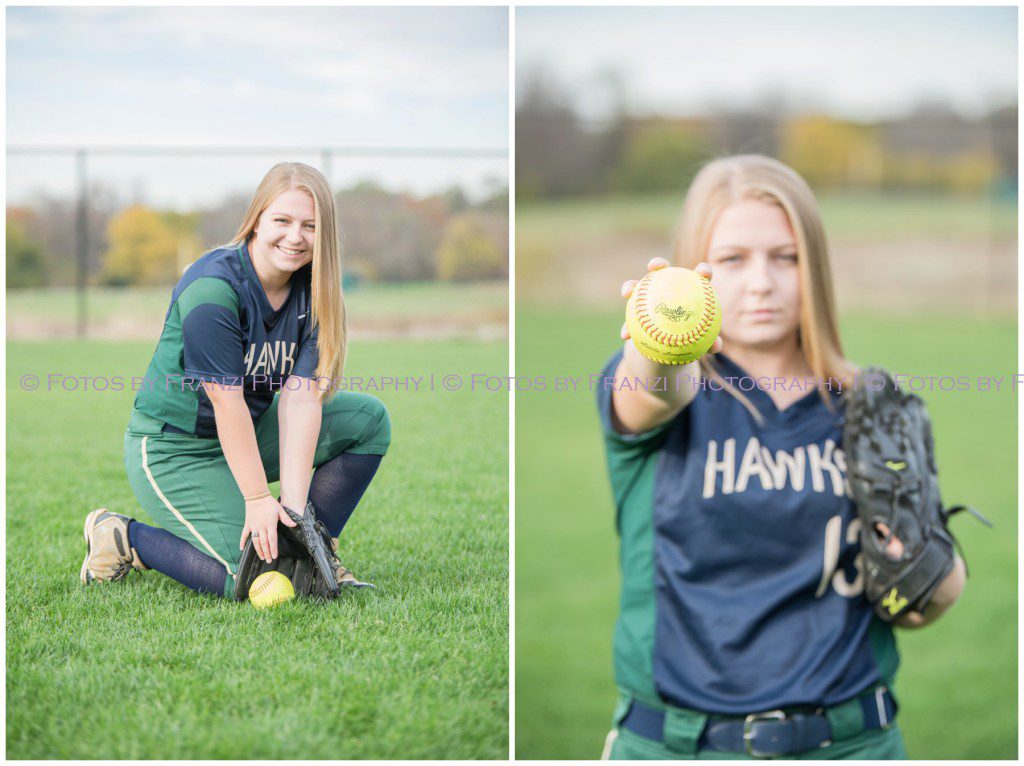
284,233
753,254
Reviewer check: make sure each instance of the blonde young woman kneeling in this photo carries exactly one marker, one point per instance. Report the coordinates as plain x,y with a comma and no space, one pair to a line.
260,316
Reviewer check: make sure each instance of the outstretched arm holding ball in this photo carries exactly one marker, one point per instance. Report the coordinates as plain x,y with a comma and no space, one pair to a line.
746,493
636,409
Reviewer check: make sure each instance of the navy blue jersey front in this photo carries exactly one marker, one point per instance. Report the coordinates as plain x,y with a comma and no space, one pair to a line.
739,543
220,327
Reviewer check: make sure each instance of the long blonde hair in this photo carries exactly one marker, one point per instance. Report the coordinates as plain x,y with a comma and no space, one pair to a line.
750,176
327,309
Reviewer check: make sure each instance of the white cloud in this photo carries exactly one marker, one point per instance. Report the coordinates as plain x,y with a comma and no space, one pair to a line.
355,100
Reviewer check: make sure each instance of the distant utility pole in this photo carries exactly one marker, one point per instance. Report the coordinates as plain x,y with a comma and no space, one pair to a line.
82,243
325,161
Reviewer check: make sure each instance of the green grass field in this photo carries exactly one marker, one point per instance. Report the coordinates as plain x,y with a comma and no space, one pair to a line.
144,669
376,311
958,680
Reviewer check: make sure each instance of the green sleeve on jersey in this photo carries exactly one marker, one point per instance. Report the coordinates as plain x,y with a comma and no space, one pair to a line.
207,290
628,454
883,647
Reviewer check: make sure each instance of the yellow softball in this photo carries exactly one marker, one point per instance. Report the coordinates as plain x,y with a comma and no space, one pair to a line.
673,316
270,589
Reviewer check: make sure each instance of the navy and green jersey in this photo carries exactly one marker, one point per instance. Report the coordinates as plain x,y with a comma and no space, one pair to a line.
221,328
740,591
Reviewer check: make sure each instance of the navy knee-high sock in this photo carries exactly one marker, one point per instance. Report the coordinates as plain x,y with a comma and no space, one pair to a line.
338,485
176,558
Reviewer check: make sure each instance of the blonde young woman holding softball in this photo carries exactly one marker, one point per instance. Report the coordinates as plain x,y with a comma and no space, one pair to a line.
738,633
263,315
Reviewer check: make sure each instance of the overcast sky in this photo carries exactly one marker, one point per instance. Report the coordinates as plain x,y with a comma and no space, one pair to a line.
863,62
405,77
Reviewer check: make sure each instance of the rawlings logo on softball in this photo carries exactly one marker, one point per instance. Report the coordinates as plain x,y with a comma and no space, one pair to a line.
673,316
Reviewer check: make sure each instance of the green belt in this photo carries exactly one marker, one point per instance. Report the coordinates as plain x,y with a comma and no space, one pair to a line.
142,424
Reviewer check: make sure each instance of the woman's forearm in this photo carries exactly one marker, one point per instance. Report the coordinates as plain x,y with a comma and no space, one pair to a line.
238,441
299,414
655,392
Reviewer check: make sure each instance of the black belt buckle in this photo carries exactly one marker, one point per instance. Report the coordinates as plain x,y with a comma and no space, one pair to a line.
748,731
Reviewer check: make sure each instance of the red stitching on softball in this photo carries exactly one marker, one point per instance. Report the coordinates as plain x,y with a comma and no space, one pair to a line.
676,339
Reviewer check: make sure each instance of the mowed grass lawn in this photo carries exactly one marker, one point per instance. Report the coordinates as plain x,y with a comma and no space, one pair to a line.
958,679
145,669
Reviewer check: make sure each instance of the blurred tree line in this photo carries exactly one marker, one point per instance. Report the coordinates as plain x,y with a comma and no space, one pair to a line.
386,236
932,148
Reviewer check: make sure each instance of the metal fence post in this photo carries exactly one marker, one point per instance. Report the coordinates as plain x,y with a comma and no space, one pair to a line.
325,162
82,242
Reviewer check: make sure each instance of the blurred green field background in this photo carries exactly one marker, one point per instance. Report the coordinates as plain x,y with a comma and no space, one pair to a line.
846,213
145,669
958,678
896,252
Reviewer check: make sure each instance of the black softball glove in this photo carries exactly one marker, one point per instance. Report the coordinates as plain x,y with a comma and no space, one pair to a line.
304,556
890,457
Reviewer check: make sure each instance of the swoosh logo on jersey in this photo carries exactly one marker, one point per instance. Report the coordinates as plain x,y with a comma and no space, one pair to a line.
303,316
895,465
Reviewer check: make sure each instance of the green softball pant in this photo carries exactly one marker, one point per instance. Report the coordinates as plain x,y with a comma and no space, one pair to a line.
184,484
